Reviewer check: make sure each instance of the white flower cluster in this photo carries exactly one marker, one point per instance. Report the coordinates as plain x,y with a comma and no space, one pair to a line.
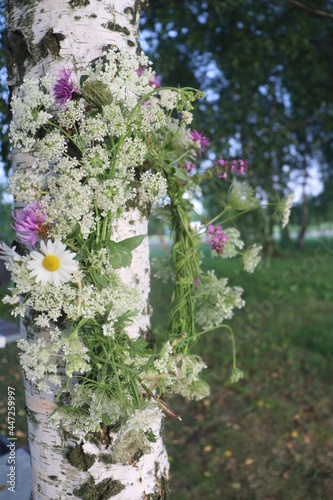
215,301
31,112
152,187
284,208
87,409
38,365
242,196
176,373
232,244
251,258
163,268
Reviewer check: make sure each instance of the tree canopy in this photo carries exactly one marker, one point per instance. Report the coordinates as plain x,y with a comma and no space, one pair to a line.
266,68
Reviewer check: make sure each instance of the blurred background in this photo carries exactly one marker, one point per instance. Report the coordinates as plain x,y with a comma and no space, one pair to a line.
267,70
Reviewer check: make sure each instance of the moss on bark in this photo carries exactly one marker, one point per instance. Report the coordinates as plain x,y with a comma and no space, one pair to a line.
91,491
79,459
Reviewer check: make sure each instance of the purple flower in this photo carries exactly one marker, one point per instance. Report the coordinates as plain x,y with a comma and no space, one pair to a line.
30,223
216,238
190,167
139,71
200,139
64,88
238,167
196,282
154,82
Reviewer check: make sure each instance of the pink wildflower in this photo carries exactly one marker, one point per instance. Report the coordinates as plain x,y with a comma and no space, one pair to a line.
30,223
216,238
190,167
140,71
154,82
201,140
64,88
238,167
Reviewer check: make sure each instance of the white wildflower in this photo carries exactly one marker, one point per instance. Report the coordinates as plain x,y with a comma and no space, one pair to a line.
242,197
251,258
284,208
54,265
232,244
152,188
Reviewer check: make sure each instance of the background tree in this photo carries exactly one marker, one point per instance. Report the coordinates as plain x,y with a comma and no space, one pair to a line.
266,68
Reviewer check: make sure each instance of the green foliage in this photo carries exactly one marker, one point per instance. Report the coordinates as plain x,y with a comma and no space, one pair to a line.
267,71
120,253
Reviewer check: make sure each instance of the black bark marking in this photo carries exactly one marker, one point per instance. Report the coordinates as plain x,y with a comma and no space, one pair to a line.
105,489
78,3
17,54
79,459
50,44
162,486
116,27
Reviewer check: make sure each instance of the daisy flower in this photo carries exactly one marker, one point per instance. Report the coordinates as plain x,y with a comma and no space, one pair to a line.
7,253
54,265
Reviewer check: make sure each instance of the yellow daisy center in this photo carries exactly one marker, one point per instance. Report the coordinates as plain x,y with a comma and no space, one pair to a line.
51,263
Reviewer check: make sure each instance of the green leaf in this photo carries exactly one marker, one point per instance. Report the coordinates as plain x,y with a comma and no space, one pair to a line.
180,174
120,253
150,435
106,419
75,233
138,348
101,280
83,79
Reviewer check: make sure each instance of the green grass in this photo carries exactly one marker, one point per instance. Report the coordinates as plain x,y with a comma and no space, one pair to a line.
270,435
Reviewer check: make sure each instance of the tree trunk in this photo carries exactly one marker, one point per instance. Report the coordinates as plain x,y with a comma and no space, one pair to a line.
305,207
44,36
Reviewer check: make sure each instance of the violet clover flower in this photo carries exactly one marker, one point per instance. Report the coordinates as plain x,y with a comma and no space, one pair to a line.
30,223
140,71
216,238
64,88
238,167
153,82
200,139
190,167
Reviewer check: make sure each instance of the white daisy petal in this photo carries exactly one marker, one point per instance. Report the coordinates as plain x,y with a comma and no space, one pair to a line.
55,265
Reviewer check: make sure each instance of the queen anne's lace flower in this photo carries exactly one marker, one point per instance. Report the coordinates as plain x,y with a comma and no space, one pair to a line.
285,209
251,258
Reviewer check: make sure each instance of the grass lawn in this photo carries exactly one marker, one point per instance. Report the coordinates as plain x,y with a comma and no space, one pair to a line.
271,435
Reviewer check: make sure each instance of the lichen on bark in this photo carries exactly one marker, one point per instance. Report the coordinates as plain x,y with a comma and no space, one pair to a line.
103,490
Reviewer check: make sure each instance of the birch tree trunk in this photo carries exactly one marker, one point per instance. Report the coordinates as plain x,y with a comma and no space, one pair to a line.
43,36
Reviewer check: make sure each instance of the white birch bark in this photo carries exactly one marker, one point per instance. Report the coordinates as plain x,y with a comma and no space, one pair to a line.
43,36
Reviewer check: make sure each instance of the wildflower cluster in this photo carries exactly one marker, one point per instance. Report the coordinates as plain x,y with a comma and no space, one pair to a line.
104,144
238,167
216,238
